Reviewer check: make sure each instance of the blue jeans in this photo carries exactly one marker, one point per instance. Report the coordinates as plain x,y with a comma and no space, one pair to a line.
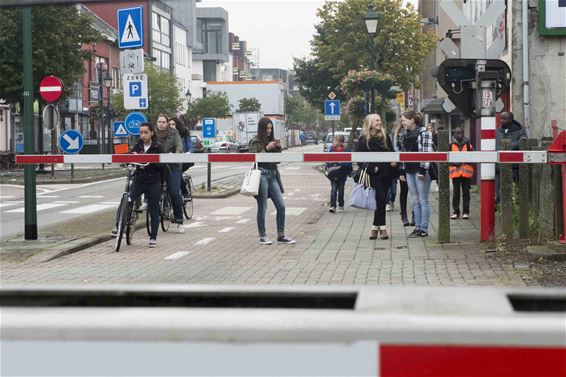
174,178
392,193
269,188
420,189
152,192
337,189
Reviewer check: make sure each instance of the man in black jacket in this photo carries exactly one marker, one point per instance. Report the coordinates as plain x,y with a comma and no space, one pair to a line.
512,130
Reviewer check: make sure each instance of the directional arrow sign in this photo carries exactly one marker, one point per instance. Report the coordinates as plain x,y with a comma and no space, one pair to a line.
332,110
71,141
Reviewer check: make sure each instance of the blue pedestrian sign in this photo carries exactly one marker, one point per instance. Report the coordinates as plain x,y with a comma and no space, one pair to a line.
120,129
133,122
209,128
71,141
130,27
332,109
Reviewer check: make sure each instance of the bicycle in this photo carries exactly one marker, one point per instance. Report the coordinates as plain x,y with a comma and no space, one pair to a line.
188,198
165,210
127,216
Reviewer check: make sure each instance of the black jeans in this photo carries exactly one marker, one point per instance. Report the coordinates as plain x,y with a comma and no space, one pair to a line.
463,183
337,190
403,196
381,186
152,192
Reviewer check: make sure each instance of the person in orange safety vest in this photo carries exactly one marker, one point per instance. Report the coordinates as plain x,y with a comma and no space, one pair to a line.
461,175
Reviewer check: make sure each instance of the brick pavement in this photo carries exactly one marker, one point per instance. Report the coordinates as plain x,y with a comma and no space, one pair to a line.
221,246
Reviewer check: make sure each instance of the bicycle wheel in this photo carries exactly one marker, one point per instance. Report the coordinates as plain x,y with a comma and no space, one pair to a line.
131,225
122,220
166,212
188,204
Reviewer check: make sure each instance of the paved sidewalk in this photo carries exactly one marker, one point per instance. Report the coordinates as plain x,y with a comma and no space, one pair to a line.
220,246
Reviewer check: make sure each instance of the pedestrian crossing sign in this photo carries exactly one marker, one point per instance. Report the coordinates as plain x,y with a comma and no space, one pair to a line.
130,27
120,129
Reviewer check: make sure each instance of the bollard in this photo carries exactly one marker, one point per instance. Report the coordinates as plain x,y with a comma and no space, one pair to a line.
535,180
546,213
557,199
443,191
506,193
533,146
523,198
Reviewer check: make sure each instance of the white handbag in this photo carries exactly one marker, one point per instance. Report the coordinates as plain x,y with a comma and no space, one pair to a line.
250,186
363,195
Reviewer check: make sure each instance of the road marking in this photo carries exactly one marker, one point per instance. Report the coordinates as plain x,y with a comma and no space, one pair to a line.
194,225
243,221
89,209
231,211
9,204
49,196
177,255
6,197
226,230
290,194
91,196
65,202
205,241
40,207
238,167
297,190
291,211
110,203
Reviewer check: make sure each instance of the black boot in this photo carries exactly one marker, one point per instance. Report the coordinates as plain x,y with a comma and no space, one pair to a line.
412,219
404,219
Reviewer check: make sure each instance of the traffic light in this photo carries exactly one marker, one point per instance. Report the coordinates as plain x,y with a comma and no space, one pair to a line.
474,85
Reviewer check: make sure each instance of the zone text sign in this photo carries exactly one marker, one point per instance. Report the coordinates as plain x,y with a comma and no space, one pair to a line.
135,91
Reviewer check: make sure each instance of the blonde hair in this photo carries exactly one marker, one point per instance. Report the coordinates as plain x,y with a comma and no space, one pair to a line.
367,130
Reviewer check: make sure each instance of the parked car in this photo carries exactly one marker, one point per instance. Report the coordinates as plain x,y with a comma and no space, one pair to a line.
224,144
310,137
330,139
243,148
198,146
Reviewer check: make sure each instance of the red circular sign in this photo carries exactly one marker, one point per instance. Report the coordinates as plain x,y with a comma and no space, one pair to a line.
50,88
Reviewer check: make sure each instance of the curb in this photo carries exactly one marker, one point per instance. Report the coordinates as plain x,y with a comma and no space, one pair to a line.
56,181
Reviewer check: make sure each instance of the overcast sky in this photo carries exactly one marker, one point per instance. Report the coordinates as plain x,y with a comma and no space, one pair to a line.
281,29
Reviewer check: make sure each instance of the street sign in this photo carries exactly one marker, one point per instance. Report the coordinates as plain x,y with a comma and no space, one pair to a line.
131,61
209,128
130,27
71,141
133,122
120,129
135,91
332,95
47,121
332,109
93,89
50,88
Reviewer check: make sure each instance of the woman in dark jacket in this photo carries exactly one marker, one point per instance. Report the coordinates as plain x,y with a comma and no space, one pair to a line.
374,139
147,179
270,184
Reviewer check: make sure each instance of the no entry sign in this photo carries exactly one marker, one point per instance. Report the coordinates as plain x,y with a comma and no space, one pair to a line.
50,88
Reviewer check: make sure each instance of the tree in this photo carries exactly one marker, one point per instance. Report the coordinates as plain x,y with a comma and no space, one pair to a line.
300,113
163,93
214,105
58,32
251,105
315,82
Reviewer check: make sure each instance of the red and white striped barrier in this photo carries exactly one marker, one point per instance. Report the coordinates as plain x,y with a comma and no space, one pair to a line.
471,157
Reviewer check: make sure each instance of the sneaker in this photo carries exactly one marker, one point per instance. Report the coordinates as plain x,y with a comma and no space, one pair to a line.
388,207
340,209
143,206
285,240
264,240
114,232
455,216
416,234
332,209
424,234
152,243
180,228
465,216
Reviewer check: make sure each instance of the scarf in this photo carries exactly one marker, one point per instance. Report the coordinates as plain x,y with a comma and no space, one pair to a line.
162,135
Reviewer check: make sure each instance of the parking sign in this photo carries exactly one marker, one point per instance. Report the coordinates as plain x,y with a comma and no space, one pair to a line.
135,91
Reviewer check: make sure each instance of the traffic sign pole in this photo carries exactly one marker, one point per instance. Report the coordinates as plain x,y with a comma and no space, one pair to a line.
30,225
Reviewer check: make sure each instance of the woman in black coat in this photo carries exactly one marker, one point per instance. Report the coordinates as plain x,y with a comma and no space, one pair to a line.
375,139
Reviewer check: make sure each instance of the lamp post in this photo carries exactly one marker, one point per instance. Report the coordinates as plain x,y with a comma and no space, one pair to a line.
100,67
371,18
108,84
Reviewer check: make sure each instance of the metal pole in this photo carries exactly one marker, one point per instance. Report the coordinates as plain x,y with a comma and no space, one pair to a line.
373,65
40,147
53,135
208,174
101,126
30,225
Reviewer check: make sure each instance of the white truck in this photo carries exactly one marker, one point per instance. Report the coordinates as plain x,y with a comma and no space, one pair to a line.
245,128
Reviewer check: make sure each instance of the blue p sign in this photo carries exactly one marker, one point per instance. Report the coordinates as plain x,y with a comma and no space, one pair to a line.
135,89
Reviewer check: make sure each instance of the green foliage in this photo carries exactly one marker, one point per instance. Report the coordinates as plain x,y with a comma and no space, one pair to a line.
301,114
214,105
58,32
342,43
315,82
251,105
163,93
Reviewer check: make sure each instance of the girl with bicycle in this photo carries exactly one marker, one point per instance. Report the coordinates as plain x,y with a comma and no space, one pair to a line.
147,179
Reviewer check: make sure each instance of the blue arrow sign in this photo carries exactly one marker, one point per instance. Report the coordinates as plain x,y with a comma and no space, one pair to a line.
332,107
209,128
71,142
133,122
130,27
120,129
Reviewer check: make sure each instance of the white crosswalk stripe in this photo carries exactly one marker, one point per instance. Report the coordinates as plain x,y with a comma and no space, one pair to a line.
40,207
205,241
177,255
88,209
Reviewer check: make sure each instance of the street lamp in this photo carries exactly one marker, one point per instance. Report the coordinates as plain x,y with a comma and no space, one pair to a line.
108,84
371,18
188,95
